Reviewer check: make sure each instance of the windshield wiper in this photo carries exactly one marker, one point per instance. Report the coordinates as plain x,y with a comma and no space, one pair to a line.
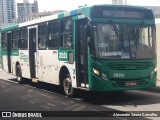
137,35
116,31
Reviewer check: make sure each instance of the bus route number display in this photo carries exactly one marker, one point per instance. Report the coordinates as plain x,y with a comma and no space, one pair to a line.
119,12
122,14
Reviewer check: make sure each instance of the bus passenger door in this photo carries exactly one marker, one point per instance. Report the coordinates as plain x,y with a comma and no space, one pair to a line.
81,53
9,41
32,51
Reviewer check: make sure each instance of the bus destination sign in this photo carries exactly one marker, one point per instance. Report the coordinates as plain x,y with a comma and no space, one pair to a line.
119,13
122,14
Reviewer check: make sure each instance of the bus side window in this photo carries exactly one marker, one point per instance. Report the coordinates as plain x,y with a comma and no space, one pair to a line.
66,34
42,36
4,41
53,36
23,39
15,39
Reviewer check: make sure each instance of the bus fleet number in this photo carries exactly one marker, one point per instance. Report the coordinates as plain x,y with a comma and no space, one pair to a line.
118,75
62,55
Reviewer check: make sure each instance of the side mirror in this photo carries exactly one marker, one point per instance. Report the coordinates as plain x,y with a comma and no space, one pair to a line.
89,33
70,57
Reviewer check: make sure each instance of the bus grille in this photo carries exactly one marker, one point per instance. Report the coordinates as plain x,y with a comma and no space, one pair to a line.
128,66
122,83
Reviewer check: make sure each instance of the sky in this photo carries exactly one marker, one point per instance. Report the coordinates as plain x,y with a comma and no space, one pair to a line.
51,5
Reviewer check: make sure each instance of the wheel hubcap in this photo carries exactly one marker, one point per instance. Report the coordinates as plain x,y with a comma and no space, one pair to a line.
68,85
18,78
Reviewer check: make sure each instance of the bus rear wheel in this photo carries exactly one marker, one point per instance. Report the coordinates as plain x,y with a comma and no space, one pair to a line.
19,74
67,86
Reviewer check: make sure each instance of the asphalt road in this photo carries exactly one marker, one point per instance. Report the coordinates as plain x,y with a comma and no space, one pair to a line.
46,97
31,97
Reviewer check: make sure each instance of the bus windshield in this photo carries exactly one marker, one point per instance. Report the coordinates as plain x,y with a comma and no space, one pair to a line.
124,41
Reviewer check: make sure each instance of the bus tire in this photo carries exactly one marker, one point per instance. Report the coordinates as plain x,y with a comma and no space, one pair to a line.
67,86
19,74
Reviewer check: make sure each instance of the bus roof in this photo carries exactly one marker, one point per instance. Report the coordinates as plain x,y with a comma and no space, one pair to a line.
85,9
10,27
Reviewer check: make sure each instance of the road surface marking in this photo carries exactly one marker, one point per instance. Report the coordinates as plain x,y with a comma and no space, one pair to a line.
78,99
29,86
72,106
9,81
30,90
6,91
79,108
3,86
93,109
50,104
52,92
35,88
24,98
68,102
45,107
36,100
29,96
32,102
45,95
4,83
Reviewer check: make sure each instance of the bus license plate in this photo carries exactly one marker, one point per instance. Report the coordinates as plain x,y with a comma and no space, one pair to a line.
130,83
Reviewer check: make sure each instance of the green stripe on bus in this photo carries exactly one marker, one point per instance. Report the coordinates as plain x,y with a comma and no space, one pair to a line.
13,52
4,52
104,20
10,28
61,15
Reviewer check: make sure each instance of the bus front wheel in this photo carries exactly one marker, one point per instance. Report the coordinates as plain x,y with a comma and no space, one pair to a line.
67,86
19,74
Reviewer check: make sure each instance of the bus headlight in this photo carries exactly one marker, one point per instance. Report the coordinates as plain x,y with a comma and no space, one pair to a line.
96,71
153,72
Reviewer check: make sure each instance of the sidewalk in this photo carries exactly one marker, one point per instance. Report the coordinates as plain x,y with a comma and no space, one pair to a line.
5,75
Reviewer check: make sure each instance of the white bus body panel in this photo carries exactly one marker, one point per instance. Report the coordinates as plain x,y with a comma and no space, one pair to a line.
24,62
14,59
5,63
48,66
71,68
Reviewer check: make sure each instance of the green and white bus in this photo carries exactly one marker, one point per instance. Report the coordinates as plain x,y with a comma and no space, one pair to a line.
94,48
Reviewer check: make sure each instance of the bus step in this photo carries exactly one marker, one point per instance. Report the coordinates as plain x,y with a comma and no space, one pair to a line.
34,80
84,85
81,88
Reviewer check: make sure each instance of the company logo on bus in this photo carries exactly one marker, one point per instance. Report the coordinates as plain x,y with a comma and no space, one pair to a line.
24,57
62,55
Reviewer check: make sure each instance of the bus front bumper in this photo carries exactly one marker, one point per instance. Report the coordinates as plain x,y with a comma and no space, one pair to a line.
99,84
